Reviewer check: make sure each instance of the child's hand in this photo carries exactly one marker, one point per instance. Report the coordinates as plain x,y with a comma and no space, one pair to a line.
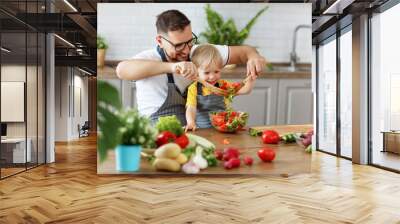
190,126
185,68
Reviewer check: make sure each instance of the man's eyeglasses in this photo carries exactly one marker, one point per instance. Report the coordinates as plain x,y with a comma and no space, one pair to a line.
180,46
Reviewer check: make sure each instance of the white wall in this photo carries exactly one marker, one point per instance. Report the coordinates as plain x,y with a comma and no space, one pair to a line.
33,126
130,28
17,73
61,103
68,83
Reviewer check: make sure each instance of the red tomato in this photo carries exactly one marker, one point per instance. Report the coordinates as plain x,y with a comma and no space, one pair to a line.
165,137
223,127
222,113
182,141
270,137
266,154
224,86
236,85
218,120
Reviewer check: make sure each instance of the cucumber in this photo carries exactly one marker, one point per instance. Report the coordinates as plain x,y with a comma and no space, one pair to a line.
201,141
289,138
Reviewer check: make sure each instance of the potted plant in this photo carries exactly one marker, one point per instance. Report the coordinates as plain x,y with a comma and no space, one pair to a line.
225,32
136,132
123,130
101,51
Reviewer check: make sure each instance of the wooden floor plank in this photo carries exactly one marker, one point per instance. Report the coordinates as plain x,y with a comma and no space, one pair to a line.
70,191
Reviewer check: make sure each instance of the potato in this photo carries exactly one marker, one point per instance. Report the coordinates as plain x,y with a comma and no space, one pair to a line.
167,164
181,159
170,150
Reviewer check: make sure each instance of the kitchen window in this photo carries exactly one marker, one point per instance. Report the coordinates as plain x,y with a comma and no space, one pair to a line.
334,100
346,92
385,89
22,93
327,96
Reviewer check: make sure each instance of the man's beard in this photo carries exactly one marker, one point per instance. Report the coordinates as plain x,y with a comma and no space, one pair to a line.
171,59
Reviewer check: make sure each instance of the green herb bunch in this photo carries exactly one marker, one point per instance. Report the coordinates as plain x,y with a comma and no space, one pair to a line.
136,129
101,43
226,33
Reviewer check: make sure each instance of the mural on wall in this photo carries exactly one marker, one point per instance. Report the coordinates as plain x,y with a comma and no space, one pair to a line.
272,33
269,60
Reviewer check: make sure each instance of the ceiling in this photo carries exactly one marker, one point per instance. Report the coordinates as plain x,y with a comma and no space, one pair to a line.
76,21
331,15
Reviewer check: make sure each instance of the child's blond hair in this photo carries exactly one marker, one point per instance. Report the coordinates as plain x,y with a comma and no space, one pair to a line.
207,54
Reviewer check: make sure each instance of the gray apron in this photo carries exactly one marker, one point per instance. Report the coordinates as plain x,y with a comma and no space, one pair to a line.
205,105
175,102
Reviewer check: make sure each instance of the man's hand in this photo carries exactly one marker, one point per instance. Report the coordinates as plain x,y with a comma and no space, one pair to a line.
255,66
187,69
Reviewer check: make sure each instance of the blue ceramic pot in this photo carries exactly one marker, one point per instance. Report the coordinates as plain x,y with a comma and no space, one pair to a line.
127,157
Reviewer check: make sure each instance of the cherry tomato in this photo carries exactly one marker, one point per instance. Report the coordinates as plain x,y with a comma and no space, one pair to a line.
270,137
266,154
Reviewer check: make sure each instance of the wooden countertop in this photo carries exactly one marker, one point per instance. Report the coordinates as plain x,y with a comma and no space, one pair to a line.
108,72
290,158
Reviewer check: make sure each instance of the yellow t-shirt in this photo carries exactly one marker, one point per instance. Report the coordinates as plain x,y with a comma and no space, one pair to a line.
191,99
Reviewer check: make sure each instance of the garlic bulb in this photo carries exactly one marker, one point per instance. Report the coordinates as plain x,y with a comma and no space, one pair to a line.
198,158
190,168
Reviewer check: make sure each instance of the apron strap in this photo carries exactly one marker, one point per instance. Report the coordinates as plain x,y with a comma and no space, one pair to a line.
200,88
169,75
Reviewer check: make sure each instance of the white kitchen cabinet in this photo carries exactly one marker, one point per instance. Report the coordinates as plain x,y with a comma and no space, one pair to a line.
260,103
127,91
295,104
272,101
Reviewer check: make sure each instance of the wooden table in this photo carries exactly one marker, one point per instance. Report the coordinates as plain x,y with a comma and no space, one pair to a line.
290,158
391,141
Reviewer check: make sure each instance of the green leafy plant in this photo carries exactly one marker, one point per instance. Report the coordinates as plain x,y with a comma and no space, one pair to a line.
108,106
170,123
226,33
101,43
136,129
118,126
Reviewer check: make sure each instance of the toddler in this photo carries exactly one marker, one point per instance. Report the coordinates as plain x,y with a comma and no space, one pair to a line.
201,101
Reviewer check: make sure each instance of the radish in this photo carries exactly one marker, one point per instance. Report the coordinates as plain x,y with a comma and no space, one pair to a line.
232,163
248,160
307,141
218,154
230,153
233,151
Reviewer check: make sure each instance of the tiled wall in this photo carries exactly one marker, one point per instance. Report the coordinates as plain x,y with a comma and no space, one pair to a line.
130,28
